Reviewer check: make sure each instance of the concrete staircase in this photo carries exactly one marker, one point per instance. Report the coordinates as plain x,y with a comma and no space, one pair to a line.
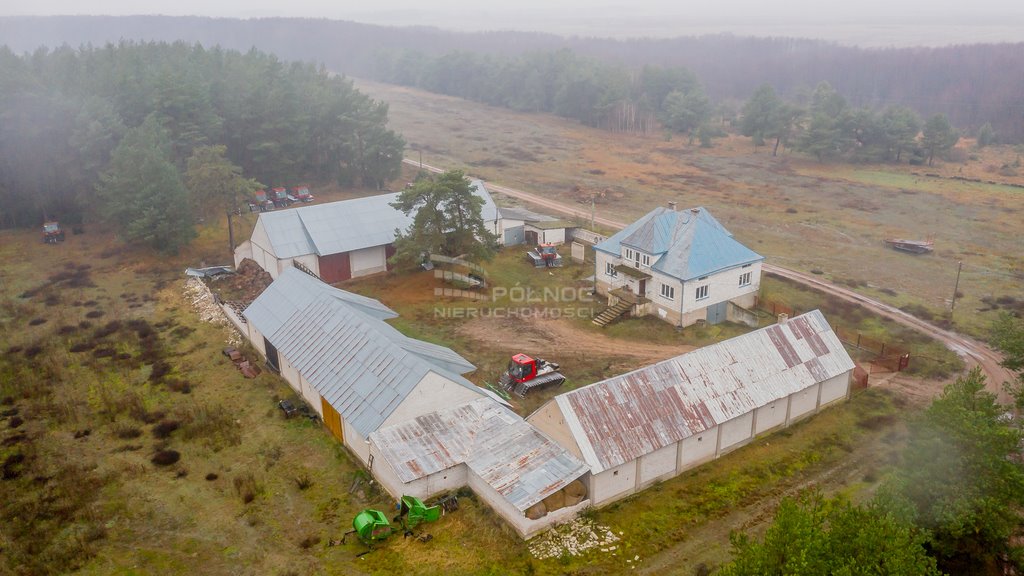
612,313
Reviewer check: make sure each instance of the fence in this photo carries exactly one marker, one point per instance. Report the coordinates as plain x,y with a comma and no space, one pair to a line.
884,356
587,236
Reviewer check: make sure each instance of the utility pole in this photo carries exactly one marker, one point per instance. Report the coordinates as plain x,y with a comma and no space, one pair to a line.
421,159
956,288
592,203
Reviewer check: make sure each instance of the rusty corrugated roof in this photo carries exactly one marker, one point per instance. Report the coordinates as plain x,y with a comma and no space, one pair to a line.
620,419
509,454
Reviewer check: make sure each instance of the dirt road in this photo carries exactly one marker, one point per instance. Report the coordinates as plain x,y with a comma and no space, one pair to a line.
973,353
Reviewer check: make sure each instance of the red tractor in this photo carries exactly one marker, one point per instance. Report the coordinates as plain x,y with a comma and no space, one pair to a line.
52,232
525,373
302,194
262,203
280,197
544,256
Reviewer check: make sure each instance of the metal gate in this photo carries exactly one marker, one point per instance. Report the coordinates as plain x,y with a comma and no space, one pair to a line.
335,268
515,236
717,312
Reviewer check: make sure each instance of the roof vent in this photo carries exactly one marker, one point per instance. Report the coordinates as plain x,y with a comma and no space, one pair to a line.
783,317
695,210
672,206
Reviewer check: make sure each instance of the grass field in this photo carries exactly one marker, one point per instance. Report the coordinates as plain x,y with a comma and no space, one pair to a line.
132,446
799,213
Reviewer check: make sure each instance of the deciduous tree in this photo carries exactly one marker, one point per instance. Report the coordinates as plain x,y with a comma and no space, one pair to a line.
938,136
214,182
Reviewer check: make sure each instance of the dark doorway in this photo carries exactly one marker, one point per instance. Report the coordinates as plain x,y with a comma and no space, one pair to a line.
335,268
272,359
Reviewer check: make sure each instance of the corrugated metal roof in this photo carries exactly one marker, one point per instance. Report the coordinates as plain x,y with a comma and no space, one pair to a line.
489,211
339,342
517,460
620,419
686,244
334,227
524,215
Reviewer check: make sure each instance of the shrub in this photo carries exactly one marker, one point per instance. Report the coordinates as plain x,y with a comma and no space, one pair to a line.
246,487
94,313
82,347
36,321
165,457
211,477
165,428
303,482
309,542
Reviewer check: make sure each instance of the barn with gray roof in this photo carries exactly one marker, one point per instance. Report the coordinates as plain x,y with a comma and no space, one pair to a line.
358,372
653,423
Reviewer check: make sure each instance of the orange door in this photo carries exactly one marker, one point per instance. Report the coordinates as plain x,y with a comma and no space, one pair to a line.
332,419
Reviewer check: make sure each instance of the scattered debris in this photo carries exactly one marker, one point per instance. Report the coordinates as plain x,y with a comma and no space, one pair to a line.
202,301
573,539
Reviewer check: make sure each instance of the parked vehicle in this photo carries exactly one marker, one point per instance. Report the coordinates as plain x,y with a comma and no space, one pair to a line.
302,194
525,373
52,232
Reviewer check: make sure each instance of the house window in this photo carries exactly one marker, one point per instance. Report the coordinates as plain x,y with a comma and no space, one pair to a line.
645,260
668,292
745,279
702,292
609,269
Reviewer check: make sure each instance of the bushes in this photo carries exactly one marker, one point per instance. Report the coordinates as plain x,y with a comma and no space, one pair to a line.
165,457
246,487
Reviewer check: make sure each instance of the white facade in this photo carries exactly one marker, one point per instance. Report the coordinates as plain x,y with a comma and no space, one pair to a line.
673,300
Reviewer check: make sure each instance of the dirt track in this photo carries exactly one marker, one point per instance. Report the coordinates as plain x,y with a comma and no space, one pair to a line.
973,353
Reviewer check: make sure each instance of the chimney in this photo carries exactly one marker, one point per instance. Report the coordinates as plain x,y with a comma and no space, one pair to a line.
695,211
672,205
783,317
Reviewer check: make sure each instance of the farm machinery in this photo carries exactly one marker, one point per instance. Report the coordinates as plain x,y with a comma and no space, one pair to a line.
525,374
544,256
52,232
281,198
302,194
373,526
262,202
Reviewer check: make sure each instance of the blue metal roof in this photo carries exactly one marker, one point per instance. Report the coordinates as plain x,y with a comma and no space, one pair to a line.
489,211
340,344
685,244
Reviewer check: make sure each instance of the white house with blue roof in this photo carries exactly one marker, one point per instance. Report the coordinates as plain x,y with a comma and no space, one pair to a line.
359,373
681,265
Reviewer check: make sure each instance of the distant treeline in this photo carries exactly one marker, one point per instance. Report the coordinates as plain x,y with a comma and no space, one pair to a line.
66,111
971,84
597,94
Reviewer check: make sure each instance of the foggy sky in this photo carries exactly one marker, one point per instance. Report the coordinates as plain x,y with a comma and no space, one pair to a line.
856,21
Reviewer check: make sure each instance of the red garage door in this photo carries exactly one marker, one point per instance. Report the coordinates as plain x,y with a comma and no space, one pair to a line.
335,268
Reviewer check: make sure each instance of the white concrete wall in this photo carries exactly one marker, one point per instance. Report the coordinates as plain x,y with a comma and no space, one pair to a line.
735,432
355,442
257,339
834,389
434,392
550,420
658,465
613,483
605,283
243,251
522,525
422,488
771,415
803,403
368,261
722,286
554,236
698,448
311,261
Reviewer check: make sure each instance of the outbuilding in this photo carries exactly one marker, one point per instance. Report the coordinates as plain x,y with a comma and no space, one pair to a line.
523,475
336,241
359,373
653,423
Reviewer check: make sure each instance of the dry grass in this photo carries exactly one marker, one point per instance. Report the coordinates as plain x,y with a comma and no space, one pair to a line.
799,213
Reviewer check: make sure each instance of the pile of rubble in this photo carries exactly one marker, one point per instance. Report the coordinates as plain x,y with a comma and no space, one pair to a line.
573,539
202,301
242,287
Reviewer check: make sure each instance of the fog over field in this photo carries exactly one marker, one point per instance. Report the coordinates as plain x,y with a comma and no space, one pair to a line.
865,23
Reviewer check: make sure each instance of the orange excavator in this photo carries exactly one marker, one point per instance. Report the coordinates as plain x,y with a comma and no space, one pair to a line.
525,374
